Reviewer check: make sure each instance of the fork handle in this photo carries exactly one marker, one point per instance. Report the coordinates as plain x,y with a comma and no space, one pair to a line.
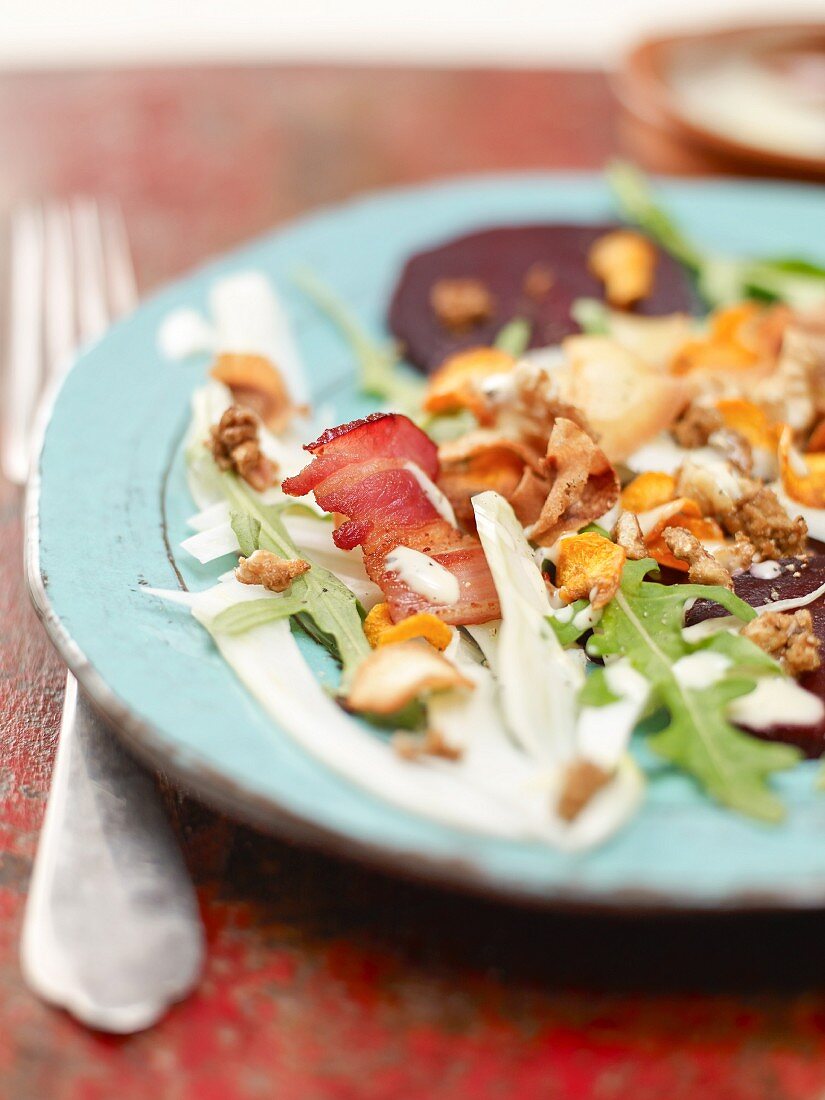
111,930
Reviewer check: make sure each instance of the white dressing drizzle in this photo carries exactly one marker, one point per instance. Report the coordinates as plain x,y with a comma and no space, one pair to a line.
701,670
777,701
434,494
765,570
423,575
790,604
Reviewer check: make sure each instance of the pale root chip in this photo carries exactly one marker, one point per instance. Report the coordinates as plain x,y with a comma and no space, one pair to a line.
625,400
457,384
582,780
270,570
625,262
257,384
654,339
584,484
628,535
393,675
590,567
703,568
803,476
381,630
648,490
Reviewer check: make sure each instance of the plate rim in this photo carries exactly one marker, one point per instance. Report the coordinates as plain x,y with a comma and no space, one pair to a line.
144,740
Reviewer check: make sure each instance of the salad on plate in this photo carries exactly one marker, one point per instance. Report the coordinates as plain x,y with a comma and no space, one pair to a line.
576,543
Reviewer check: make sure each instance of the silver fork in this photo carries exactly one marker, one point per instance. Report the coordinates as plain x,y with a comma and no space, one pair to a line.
111,930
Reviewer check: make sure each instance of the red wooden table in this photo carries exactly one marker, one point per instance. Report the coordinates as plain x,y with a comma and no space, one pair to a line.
326,982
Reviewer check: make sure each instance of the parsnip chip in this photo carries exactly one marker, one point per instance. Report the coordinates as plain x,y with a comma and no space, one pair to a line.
589,562
803,476
625,400
584,484
393,675
381,630
457,383
648,490
257,384
749,421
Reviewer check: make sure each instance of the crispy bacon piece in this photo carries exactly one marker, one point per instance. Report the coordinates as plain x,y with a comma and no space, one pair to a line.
380,435
366,472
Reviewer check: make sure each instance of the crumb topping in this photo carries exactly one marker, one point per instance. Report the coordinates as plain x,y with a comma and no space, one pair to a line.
789,637
538,281
270,570
582,780
696,425
235,445
461,304
759,515
703,566
628,535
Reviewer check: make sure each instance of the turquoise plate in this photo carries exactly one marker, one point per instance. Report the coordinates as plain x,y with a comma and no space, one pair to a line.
110,513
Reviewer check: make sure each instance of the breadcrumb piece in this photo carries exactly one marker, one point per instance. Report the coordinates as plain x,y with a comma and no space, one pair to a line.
538,281
235,445
787,636
759,514
270,570
409,746
582,780
625,261
628,535
738,556
461,304
696,425
704,568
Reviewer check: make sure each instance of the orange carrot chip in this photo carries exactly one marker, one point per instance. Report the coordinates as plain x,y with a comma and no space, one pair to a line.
456,384
381,630
648,490
803,476
589,562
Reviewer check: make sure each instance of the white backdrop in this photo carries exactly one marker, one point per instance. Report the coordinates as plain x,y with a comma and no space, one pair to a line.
574,32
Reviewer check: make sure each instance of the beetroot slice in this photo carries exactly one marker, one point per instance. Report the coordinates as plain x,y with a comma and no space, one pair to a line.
756,592
501,258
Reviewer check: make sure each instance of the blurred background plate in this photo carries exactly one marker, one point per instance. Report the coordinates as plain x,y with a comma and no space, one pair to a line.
112,511
745,99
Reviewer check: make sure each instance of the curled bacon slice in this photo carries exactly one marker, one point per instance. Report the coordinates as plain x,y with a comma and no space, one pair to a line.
380,435
367,472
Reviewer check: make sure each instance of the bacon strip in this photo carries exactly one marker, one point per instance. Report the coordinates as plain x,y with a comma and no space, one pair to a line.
362,471
380,435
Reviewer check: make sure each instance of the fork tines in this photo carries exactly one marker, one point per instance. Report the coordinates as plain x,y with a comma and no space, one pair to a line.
71,276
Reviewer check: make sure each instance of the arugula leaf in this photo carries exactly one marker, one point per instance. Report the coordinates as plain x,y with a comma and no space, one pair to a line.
565,627
514,337
721,279
247,531
332,613
643,622
248,614
380,374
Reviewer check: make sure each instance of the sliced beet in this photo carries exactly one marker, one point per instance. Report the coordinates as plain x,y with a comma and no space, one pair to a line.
756,592
501,258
